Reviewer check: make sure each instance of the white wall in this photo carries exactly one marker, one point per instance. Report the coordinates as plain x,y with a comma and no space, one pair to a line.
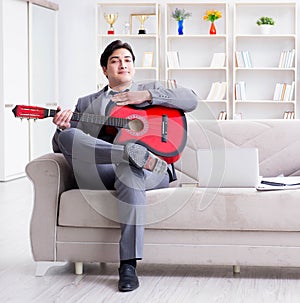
77,45
77,49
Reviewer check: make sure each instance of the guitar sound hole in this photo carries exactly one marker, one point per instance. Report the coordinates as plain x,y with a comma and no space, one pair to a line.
136,125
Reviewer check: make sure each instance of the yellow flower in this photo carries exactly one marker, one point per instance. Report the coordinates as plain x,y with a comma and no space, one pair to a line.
212,15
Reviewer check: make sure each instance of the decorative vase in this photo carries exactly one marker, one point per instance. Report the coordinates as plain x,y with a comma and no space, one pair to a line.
212,29
265,29
180,27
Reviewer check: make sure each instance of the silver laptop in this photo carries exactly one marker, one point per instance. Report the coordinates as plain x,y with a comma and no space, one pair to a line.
230,167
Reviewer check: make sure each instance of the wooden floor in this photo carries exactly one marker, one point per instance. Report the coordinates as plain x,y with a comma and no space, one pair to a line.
167,283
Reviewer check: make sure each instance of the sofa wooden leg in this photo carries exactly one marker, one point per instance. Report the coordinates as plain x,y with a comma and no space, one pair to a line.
236,269
78,268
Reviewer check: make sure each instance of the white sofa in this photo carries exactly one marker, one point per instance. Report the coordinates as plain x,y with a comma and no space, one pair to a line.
185,224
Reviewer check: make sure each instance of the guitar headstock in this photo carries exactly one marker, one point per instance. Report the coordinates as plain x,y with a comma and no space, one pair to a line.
30,112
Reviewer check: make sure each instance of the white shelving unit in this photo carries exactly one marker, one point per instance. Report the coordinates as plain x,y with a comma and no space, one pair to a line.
261,77
142,44
195,49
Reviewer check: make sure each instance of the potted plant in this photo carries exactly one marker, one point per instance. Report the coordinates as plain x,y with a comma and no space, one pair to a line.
265,24
179,15
212,16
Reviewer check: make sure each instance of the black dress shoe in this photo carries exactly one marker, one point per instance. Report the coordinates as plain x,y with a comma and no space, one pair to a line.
128,278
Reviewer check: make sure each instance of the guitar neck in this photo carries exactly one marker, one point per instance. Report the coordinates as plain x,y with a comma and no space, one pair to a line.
92,118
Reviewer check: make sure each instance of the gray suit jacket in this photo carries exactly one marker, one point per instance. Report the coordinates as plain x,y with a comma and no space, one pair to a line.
181,98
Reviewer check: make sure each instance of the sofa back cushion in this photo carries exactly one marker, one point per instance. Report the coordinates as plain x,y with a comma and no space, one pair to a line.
277,141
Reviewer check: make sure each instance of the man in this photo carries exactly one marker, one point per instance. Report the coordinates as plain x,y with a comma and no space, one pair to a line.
130,169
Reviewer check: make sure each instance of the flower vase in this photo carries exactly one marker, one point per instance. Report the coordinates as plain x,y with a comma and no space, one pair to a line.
180,27
212,30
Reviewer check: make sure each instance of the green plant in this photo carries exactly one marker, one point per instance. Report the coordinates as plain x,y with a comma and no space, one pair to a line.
265,20
180,14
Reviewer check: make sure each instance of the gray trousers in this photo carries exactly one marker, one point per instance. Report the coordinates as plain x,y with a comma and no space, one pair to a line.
98,164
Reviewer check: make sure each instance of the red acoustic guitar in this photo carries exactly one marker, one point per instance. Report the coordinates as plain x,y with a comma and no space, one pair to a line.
161,129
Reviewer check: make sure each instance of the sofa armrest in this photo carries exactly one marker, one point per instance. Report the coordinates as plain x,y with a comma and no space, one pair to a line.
51,175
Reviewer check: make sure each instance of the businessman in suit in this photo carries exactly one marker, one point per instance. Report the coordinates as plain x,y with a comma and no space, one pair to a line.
129,169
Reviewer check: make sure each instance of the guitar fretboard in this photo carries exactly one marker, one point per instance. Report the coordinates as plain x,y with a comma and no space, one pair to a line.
97,119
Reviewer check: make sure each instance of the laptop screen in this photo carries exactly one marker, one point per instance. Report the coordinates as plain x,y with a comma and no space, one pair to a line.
229,167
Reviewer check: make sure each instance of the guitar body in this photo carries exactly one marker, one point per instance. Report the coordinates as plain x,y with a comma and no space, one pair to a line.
161,129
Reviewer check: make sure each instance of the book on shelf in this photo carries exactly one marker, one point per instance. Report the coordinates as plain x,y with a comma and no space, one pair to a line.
247,58
173,59
218,60
171,83
240,90
238,116
239,59
289,115
243,59
284,91
222,115
217,91
286,59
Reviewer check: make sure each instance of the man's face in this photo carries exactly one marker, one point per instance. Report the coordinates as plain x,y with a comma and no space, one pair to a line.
120,68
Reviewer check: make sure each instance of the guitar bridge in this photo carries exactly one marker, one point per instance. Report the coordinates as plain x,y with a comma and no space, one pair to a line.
164,128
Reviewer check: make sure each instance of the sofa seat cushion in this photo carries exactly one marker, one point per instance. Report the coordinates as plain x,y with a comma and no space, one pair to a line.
189,208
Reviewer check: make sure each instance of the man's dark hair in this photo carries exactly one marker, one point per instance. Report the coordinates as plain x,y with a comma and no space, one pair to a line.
117,44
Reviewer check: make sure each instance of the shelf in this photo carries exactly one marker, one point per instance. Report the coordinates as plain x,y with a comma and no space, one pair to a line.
126,28
144,36
270,36
146,68
196,36
264,101
214,101
276,69
137,68
266,55
259,3
195,71
197,68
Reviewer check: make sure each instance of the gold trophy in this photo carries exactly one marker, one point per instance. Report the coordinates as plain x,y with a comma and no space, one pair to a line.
142,19
111,19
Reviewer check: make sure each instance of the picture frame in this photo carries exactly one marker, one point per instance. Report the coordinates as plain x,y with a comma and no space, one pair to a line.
150,24
147,59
